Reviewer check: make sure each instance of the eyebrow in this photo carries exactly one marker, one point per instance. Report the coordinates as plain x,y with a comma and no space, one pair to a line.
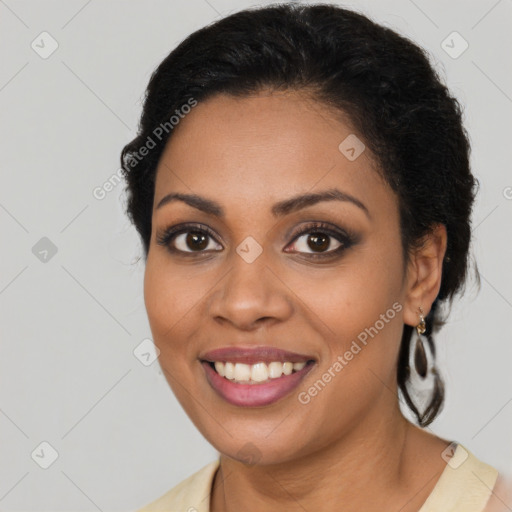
279,209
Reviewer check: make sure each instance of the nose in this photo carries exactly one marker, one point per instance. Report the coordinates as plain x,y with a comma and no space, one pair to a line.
251,294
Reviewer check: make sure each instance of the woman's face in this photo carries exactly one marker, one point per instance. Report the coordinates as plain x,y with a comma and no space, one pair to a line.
334,294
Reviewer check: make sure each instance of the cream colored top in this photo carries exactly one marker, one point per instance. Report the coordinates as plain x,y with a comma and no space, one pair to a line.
465,485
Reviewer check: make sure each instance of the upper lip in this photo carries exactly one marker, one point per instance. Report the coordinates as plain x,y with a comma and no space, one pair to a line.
253,355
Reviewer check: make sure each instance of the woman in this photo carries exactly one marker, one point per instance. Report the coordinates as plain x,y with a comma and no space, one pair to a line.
301,185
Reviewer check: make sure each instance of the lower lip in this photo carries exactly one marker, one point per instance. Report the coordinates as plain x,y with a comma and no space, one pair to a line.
254,395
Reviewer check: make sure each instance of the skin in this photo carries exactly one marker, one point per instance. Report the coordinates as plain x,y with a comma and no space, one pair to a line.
350,444
501,497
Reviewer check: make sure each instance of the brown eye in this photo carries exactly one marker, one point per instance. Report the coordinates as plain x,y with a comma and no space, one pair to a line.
196,240
188,240
316,242
193,241
319,240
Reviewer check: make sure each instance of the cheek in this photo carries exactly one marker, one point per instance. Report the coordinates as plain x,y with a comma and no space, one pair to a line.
359,314
353,295
169,298
358,308
376,306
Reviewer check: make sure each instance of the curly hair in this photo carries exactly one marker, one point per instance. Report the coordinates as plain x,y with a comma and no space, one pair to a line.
380,79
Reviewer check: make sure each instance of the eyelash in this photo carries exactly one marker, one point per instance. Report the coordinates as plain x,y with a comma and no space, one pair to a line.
345,238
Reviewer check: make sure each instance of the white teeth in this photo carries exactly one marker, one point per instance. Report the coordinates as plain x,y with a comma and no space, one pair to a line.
287,368
219,367
259,372
255,373
242,372
275,369
229,371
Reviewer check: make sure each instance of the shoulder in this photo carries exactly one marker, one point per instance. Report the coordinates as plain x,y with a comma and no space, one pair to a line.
465,485
192,494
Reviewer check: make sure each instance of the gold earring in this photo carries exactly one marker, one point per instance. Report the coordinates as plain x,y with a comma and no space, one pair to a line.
421,327
420,356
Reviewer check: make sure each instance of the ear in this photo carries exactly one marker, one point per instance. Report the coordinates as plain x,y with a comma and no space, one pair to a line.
424,273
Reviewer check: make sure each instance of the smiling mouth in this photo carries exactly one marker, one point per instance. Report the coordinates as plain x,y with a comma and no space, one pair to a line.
261,372
264,389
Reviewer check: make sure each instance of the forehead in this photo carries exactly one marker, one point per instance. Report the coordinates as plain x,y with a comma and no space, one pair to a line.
263,148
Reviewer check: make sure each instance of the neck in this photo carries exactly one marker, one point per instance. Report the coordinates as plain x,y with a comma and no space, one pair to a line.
365,469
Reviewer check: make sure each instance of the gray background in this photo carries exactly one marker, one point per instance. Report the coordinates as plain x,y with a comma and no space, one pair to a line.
70,321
